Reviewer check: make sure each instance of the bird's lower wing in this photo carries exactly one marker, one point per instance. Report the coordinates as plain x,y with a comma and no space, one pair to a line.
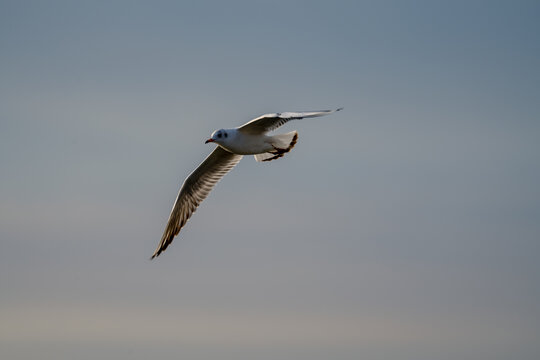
269,122
195,189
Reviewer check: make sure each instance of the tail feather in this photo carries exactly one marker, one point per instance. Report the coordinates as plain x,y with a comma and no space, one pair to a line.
282,143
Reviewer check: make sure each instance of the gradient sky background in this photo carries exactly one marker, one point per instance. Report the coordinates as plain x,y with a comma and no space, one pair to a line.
405,227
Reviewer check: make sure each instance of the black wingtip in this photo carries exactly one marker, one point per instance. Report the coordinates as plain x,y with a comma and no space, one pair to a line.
341,108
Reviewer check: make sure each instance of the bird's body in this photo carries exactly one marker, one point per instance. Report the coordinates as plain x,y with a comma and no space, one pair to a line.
242,143
248,139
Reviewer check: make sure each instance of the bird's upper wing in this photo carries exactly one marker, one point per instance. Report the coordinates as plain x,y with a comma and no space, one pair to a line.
269,122
195,189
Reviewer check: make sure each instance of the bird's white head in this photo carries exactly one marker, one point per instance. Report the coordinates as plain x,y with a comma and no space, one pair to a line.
219,136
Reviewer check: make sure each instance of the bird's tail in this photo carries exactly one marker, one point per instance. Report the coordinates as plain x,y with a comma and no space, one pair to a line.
282,143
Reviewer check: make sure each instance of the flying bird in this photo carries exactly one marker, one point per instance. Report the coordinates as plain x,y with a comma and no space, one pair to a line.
232,144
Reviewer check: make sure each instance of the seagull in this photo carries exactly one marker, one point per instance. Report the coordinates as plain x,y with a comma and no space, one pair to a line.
232,144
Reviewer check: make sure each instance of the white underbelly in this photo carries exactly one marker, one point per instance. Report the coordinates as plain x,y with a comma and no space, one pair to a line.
249,145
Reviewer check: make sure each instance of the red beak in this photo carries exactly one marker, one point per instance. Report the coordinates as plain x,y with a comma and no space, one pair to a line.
209,140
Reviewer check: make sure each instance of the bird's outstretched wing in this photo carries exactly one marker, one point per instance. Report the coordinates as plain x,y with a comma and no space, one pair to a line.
269,122
195,189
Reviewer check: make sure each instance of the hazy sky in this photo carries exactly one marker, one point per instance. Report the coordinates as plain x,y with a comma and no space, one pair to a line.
405,227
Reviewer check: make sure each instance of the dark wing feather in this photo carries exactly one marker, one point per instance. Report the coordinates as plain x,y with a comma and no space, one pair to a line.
195,189
269,122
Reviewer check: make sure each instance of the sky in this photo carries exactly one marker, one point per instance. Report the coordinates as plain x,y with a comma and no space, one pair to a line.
405,227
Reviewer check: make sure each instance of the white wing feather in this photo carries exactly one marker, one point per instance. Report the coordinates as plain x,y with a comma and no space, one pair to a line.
269,122
195,189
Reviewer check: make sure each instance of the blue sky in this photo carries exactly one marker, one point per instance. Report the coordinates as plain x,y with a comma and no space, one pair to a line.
404,227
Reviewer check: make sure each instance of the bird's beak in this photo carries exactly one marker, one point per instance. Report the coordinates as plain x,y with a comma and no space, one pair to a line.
209,140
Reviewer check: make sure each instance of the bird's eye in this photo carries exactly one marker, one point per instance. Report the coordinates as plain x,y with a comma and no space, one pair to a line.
225,134
219,135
